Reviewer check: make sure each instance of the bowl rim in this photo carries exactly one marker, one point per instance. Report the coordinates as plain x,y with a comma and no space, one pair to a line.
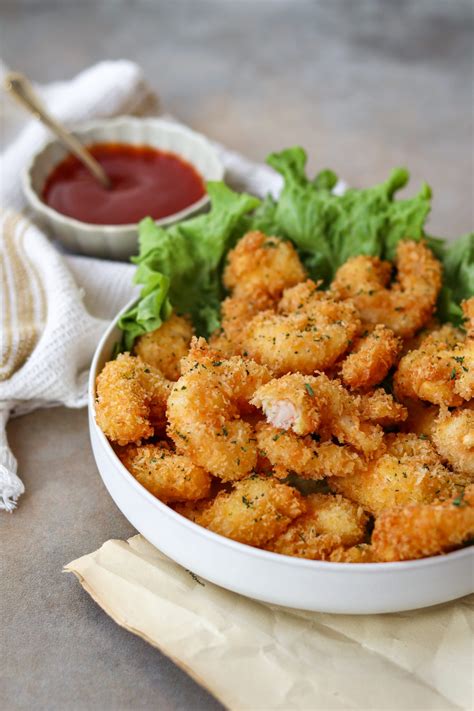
54,215
242,548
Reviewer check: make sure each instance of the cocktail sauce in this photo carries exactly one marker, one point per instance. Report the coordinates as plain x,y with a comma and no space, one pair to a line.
145,182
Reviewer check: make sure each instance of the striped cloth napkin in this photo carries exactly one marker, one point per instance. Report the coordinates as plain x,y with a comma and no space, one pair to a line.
54,307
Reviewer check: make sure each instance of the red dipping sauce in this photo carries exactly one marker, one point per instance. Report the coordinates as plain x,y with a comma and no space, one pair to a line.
146,182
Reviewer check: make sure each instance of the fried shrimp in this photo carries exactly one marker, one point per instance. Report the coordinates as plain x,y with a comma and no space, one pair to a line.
370,359
418,531
262,265
255,511
131,399
167,475
329,522
238,312
287,453
453,437
318,404
440,371
410,471
410,301
164,347
306,340
204,411
380,408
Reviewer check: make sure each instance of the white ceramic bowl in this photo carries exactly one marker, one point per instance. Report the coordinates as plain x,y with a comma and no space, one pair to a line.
117,241
293,582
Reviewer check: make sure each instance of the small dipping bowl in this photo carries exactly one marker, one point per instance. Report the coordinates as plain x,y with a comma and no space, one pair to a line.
117,241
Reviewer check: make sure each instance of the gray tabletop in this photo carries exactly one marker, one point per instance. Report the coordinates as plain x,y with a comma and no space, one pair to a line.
364,87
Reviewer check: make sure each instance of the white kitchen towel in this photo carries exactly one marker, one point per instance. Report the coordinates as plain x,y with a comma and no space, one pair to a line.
55,307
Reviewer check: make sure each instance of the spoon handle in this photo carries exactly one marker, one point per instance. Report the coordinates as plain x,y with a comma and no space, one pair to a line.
19,86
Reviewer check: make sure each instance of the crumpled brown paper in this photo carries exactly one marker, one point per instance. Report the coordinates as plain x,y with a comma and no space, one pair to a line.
251,655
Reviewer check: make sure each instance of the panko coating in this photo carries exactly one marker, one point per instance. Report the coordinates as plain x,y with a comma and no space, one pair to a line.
370,359
409,472
204,412
260,264
164,347
131,399
238,312
360,553
453,437
423,530
167,475
406,305
289,403
380,408
287,452
302,341
440,371
308,404
329,522
255,511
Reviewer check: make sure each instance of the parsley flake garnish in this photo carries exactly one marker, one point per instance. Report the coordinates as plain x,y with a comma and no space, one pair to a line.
309,389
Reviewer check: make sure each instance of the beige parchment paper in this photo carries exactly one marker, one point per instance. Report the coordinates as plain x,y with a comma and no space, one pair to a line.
251,655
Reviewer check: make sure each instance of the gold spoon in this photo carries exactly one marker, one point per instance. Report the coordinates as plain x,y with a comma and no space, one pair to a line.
19,86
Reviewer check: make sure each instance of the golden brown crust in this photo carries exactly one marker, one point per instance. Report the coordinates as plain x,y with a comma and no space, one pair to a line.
131,399
453,437
164,347
287,452
410,302
262,264
167,475
256,510
410,471
419,531
370,359
329,522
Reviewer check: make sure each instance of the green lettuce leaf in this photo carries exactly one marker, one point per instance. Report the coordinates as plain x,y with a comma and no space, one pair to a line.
180,266
458,278
327,229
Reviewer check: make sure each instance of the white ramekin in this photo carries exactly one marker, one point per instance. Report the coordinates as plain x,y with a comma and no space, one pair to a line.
355,588
116,241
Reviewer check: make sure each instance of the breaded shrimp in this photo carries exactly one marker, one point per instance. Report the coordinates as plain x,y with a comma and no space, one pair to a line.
238,312
262,265
308,404
301,298
440,371
256,510
164,347
304,340
131,399
360,553
167,475
419,531
329,522
370,358
409,472
289,403
453,437
380,408
287,453
409,303
204,411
